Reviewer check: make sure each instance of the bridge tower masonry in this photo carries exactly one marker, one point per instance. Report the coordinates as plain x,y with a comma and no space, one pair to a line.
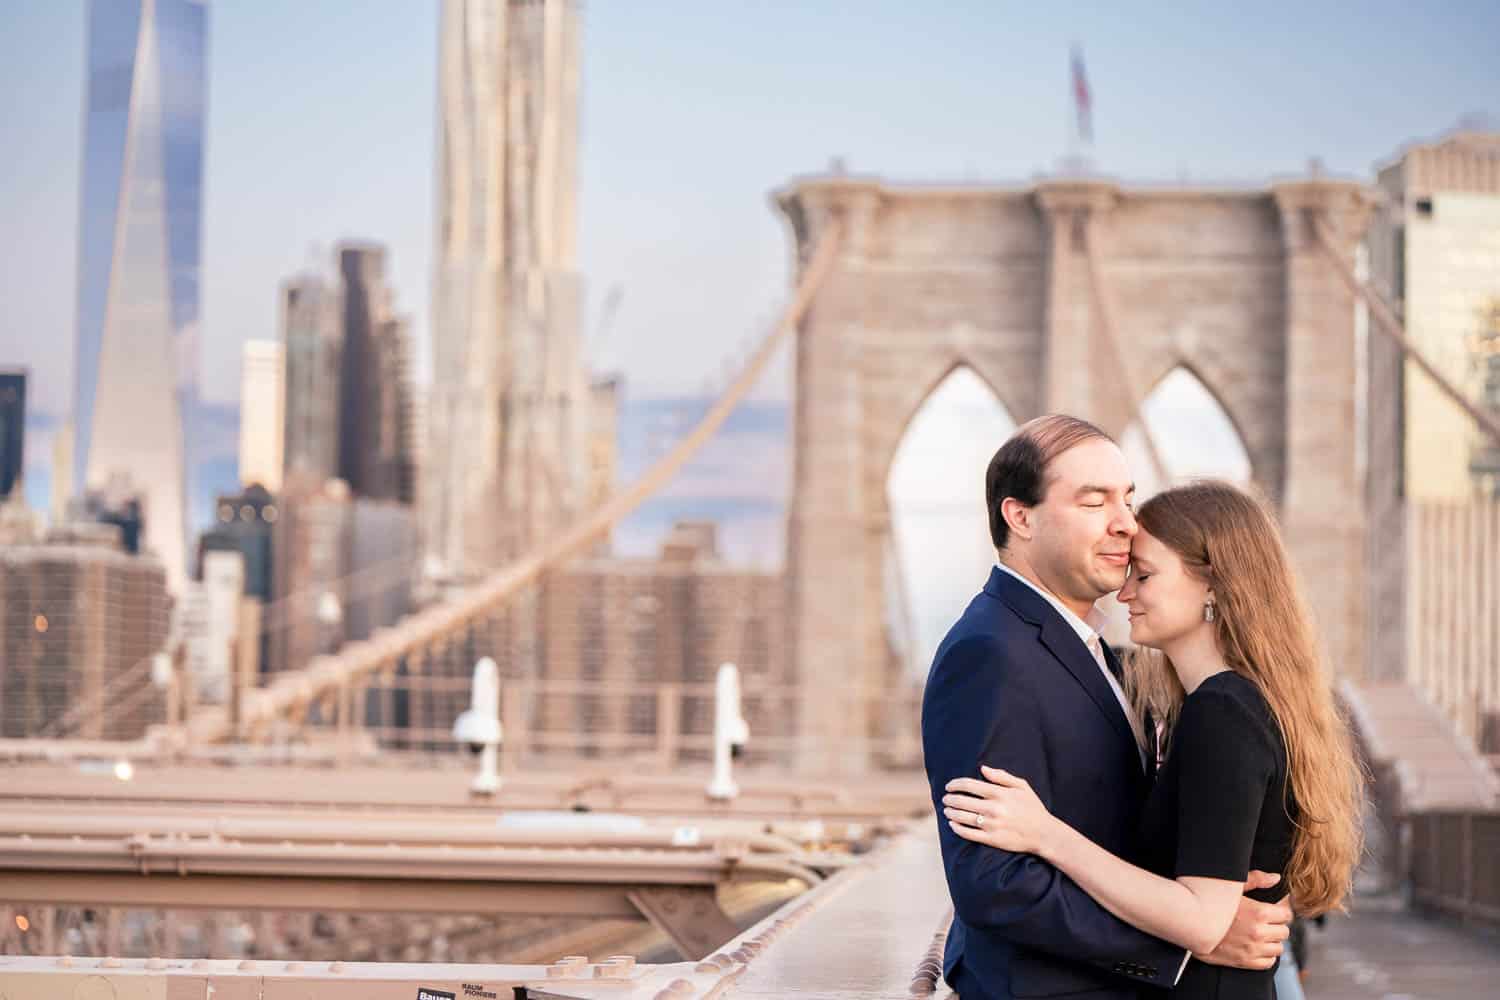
1229,283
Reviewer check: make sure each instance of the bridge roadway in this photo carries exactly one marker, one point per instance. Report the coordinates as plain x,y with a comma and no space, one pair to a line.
873,931
587,843
872,928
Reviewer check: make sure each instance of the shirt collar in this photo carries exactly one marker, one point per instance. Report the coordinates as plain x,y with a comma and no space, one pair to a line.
1086,628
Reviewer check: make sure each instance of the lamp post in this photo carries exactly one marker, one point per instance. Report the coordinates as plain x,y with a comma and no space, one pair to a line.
479,727
731,732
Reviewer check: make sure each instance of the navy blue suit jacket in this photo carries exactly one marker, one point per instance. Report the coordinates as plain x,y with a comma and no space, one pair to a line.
1014,687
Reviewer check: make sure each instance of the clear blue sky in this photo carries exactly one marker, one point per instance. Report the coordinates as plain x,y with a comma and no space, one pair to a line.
321,127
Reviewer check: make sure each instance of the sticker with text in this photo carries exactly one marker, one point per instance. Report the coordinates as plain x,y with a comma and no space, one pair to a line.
426,993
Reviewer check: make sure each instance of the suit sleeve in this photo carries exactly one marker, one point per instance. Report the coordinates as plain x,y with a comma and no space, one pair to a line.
978,709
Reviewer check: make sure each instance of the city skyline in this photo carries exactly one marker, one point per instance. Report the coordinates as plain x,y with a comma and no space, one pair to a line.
645,368
663,172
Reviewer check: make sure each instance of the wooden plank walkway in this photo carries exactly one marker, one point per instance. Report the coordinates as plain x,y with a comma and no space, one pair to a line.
1383,952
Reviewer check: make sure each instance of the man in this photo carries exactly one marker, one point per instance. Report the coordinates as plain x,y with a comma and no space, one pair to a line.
1024,681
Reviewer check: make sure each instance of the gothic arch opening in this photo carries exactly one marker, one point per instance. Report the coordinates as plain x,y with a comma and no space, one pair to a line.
1194,436
939,553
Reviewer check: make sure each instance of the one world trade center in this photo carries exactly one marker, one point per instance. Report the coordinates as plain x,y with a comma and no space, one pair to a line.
140,232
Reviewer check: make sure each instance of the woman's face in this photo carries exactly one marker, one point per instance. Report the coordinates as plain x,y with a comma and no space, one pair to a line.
1165,600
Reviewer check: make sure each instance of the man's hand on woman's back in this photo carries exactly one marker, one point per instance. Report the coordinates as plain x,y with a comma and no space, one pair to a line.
1255,937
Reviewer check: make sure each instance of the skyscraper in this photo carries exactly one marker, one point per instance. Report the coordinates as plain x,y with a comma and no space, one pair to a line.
62,473
261,413
312,345
245,525
1435,250
343,568
79,614
12,430
138,258
506,457
375,447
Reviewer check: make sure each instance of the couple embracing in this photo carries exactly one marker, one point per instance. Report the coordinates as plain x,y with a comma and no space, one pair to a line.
1120,831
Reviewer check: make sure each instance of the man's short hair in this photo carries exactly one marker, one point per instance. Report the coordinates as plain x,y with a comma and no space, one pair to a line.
1019,468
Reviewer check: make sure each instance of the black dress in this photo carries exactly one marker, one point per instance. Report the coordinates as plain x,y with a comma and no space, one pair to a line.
1220,809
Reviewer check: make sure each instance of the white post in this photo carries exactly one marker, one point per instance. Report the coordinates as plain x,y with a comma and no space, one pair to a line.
731,732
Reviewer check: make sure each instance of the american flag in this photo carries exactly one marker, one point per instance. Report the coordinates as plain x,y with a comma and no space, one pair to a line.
1081,97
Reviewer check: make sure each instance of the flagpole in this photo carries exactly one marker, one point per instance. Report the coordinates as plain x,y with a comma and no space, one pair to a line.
1081,135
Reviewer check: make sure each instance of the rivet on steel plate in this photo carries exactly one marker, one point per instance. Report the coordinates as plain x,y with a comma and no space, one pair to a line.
611,970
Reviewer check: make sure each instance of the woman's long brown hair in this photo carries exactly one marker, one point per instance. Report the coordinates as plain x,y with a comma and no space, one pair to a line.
1229,539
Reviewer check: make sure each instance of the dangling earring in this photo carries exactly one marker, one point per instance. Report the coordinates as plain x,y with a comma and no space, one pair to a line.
1208,611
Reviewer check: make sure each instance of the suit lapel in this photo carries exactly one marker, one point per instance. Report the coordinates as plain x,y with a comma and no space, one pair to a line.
1064,645
1060,639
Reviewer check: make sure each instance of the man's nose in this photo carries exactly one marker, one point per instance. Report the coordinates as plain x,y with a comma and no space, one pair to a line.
1124,523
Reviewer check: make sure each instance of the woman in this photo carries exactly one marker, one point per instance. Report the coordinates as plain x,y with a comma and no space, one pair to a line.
1260,770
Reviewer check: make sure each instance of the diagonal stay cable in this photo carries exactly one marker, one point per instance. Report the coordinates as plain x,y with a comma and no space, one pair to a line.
1390,326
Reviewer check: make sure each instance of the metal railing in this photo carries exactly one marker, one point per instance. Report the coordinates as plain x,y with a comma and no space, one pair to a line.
1455,864
656,726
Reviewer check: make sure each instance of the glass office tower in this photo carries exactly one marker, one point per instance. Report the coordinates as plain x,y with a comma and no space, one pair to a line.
140,232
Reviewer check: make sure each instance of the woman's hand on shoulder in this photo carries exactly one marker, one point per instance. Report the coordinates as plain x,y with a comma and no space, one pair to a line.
1001,811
